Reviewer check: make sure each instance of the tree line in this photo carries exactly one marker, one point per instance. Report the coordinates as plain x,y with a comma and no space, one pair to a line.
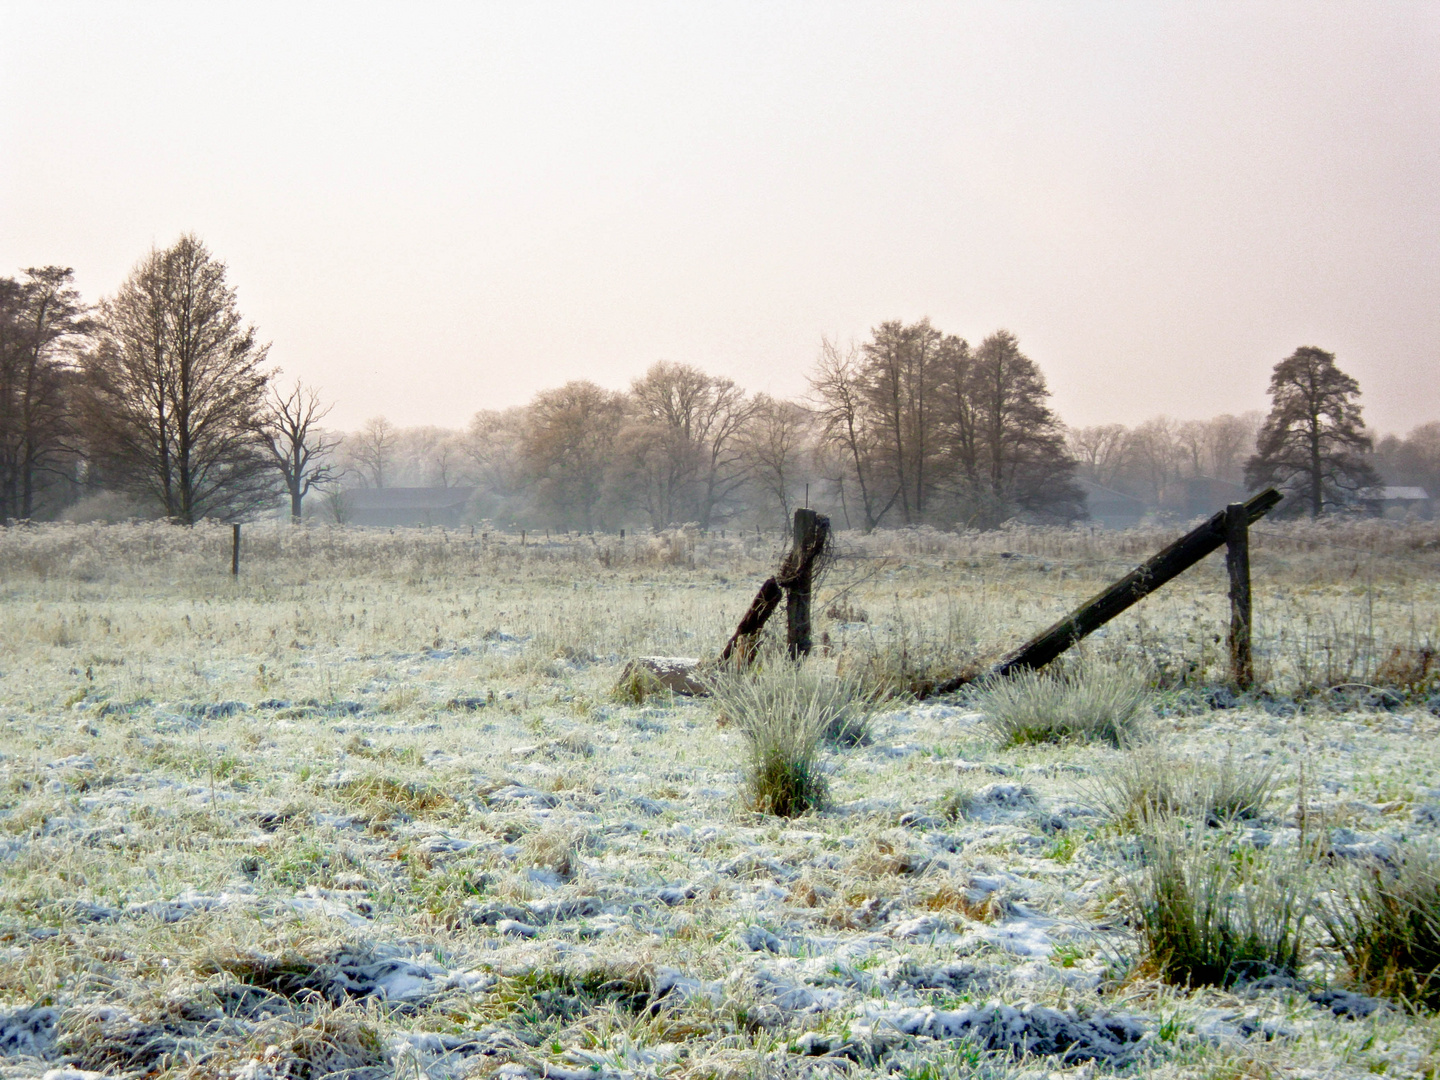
160,400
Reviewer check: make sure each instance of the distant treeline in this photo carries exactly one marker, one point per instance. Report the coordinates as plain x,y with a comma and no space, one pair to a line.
157,402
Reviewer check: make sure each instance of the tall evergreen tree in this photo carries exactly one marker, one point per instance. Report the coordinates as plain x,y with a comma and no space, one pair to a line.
43,322
1313,443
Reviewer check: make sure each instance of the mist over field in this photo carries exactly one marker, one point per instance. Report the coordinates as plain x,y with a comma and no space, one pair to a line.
654,543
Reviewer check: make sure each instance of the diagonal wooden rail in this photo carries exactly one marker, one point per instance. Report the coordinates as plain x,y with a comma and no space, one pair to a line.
1134,586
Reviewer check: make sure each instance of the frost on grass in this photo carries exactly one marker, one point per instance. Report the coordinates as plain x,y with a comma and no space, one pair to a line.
374,809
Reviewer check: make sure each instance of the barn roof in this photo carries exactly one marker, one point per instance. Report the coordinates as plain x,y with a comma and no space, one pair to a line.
409,498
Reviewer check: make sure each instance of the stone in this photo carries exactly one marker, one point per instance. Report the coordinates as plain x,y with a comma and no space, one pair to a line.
677,674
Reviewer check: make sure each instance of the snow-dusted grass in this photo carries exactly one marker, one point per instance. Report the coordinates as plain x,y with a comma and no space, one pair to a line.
1387,925
1214,911
374,807
1089,703
788,712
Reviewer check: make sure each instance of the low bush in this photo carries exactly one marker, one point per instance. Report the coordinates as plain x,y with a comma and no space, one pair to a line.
1386,923
788,712
1090,704
1211,913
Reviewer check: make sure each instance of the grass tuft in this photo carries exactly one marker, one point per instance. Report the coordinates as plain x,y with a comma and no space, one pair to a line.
788,713
1150,786
1094,704
1387,926
1211,914
381,797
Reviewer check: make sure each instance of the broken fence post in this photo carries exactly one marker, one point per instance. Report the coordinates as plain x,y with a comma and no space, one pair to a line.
1237,562
1134,586
742,642
811,532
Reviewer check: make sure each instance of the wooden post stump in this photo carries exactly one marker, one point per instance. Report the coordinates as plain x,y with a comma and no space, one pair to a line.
809,538
1237,561
235,551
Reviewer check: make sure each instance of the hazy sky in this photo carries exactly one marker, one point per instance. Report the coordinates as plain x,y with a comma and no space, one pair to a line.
434,209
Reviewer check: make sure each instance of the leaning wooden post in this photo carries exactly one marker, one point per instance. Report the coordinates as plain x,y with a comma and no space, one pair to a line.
1133,587
797,598
742,643
235,551
1237,561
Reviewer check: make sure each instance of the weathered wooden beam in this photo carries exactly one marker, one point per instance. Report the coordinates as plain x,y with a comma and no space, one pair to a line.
1237,562
1133,587
753,621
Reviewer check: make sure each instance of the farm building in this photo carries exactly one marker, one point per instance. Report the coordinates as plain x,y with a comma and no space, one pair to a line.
1398,502
403,507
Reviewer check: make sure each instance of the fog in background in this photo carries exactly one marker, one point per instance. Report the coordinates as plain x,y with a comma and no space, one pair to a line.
437,209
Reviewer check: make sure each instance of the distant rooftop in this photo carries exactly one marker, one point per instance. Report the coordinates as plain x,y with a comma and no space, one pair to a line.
408,498
1390,492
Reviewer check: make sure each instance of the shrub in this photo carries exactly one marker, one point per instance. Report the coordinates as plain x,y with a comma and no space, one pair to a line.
787,713
1149,786
1213,914
1093,704
1386,924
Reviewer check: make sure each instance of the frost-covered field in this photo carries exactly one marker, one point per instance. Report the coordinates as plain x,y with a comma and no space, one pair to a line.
374,808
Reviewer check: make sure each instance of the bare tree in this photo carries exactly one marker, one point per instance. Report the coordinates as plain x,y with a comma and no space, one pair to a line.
304,454
845,424
1230,441
1154,457
1100,451
372,449
686,441
775,445
492,445
901,381
1415,459
568,447
174,393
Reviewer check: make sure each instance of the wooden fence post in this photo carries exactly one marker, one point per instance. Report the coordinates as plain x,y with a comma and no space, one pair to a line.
1237,561
235,551
797,598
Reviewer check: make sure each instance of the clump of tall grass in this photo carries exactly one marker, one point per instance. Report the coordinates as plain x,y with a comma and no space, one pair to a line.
1150,786
1087,704
1386,923
1213,914
788,712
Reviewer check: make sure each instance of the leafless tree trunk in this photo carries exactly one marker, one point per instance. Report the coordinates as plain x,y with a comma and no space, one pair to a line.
300,449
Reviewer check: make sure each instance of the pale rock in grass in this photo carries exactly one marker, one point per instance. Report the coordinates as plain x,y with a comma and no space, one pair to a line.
676,674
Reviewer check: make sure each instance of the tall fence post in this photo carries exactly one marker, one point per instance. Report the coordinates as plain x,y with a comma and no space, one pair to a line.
1237,561
797,598
235,551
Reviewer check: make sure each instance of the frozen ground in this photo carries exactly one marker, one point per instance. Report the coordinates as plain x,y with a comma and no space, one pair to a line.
226,853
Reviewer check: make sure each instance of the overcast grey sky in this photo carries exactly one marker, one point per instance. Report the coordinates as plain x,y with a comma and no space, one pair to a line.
432,209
